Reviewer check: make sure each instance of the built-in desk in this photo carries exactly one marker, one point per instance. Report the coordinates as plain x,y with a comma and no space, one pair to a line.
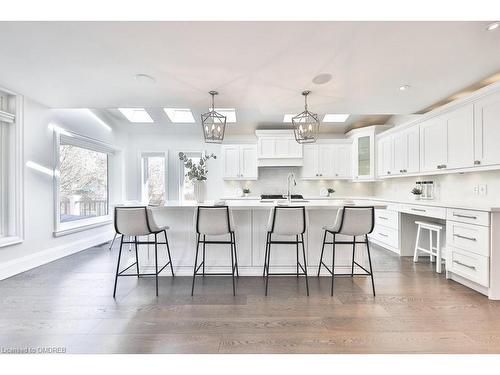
470,242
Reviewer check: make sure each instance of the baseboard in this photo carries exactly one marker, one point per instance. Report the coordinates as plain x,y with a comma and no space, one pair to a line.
39,258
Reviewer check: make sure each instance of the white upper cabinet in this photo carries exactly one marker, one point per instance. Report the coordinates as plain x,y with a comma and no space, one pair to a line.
239,162
406,151
460,141
385,159
447,141
278,148
487,130
327,161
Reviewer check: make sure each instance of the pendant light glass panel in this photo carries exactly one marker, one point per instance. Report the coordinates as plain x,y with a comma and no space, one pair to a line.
213,124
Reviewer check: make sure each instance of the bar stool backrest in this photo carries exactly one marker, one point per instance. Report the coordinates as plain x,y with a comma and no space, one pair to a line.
132,221
287,220
357,221
213,220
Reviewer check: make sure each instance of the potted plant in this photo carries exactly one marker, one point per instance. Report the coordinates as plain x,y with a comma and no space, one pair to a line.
246,191
417,192
330,191
197,174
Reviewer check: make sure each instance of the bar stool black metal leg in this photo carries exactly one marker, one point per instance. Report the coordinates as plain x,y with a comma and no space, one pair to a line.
118,266
156,263
233,237
232,270
333,263
203,270
370,262
195,263
353,253
265,256
297,248
305,262
268,260
168,252
321,257
136,256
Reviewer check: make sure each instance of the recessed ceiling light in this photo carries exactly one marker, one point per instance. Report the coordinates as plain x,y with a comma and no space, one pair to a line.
322,78
404,87
230,114
144,78
136,115
179,115
335,117
492,26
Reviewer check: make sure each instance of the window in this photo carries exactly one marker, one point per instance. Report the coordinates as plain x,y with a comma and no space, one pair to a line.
186,191
154,178
11,168
82,182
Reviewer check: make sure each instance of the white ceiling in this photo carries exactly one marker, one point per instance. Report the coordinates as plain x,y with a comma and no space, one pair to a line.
258,67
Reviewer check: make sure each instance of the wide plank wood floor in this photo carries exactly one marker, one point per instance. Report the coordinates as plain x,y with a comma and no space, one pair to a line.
68,303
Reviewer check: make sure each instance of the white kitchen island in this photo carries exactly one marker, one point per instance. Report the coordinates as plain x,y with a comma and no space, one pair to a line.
251,216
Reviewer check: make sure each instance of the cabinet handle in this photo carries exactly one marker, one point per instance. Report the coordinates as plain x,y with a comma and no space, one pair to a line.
465,216
465,237
463,264
418,209
383,217
404,171
477,162
388,172
400,171
383,234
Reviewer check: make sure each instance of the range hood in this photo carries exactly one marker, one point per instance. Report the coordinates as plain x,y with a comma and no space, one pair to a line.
278,148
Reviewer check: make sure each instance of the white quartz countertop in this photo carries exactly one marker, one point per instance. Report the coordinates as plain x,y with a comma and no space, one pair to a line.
258,204
488,207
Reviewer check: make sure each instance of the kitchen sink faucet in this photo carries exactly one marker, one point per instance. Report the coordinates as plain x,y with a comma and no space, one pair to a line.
290,179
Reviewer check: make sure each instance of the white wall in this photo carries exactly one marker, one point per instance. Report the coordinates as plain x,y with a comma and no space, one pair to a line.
40,246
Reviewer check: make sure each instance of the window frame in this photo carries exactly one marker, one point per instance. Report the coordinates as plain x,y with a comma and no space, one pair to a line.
78,140
142,156
12,170
181,170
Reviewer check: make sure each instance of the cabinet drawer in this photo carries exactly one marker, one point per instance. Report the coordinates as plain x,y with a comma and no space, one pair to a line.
387,218
386,235
468,216
473,238
472,266
415,209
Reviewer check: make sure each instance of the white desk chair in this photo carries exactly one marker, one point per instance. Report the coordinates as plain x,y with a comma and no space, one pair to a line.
433,251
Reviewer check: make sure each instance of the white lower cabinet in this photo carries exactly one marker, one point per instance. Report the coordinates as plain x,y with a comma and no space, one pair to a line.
386,230
239,162
469,265
468,245
327,161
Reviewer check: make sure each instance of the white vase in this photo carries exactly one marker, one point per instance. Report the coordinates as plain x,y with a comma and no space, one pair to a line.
199,191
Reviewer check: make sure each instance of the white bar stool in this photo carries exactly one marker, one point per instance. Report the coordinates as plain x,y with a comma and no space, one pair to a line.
214,221
287,221
433,251
355,221
135,222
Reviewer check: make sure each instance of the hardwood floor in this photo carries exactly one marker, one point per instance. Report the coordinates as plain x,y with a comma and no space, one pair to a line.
68,303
